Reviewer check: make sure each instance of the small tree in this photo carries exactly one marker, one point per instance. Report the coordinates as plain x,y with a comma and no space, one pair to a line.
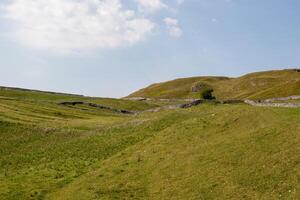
207,94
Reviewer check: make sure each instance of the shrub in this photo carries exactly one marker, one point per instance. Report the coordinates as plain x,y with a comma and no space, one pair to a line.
207,94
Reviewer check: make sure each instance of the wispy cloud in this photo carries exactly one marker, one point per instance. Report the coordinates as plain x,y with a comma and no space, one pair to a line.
150,6
214,20
173,28
179,2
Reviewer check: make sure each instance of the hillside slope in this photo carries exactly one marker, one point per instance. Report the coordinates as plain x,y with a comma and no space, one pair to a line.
53,151
260,85
207,152
45,145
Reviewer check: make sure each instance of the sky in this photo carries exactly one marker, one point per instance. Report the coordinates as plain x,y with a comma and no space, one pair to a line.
110,48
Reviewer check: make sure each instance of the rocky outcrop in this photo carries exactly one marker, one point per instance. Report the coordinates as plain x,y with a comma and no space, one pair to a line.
137,99
168,107
175,100
296,97
198,87
97,106
178,106
272,104
232,101
194,103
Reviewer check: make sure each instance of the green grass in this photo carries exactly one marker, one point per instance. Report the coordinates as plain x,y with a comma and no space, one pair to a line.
44,145
260,85
50,151
208,152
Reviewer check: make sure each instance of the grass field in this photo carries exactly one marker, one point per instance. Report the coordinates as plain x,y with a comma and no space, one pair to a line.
51,151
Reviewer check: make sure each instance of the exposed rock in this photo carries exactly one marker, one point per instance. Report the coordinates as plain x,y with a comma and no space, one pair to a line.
198,87
232,101
72,103
137,99
97,106
296,97
175,100
172,107
267,104
194,103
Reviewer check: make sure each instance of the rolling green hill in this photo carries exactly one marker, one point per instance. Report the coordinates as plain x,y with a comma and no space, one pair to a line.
44,145
50,150
207,152
260,85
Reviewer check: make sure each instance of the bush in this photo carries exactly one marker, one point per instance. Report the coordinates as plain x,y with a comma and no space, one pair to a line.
207,94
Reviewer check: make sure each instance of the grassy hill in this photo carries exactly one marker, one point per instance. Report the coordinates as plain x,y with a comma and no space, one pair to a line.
208,152
212,151
260,85
45,145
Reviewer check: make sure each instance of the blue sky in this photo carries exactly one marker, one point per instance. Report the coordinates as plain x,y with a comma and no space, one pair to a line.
110,48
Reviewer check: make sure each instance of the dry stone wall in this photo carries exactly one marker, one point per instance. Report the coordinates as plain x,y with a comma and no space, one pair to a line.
274,102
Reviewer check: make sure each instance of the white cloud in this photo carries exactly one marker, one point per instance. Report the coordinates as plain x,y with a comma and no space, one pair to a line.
179,2
71,25
173,28
175,32
171,21
151,6
214,20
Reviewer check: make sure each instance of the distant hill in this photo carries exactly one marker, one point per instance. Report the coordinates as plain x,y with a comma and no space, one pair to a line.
259,85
